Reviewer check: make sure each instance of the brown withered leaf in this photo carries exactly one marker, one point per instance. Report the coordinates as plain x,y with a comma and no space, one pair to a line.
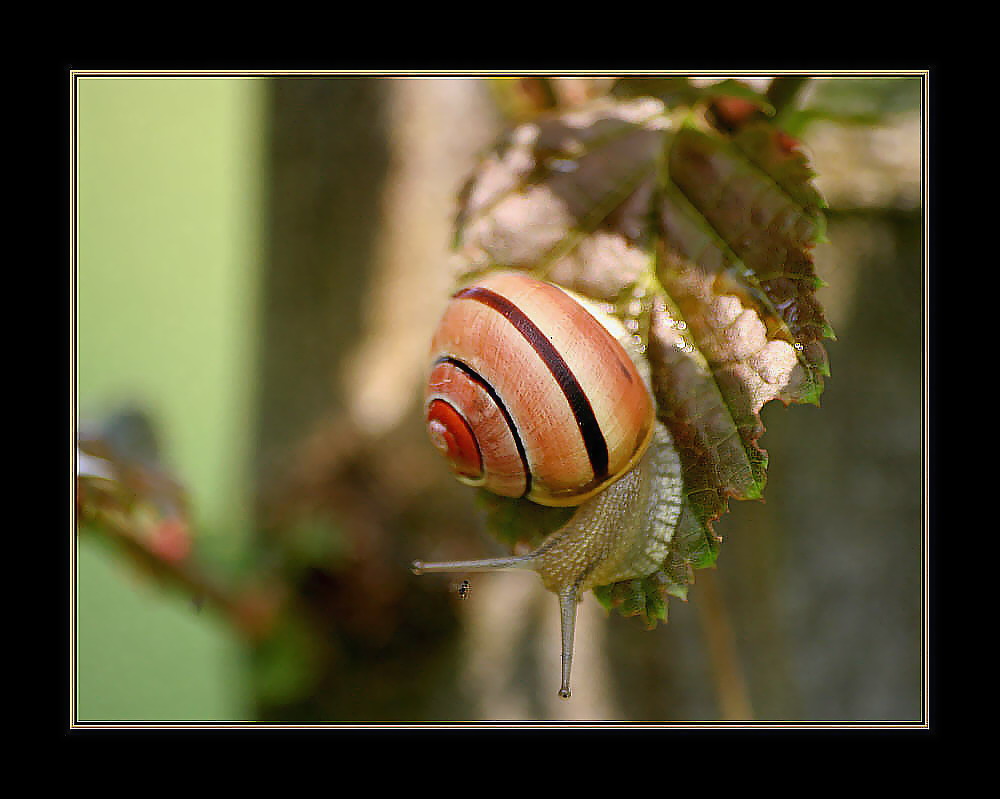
567,197
701,240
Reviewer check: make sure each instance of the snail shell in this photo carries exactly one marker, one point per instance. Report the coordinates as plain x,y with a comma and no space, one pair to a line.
534,394
531,396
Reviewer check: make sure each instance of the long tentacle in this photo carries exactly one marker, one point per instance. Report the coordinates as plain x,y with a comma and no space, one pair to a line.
569,598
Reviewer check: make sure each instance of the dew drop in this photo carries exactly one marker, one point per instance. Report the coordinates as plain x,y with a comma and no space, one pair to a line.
562,165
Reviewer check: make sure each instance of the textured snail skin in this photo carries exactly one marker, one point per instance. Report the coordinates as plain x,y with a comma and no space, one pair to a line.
556,404
621,533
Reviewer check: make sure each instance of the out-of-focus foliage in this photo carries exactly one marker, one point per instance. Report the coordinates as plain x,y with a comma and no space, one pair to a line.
861,101
123,490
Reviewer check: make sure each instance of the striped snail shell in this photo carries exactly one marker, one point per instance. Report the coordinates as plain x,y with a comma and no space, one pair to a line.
531,396
534,392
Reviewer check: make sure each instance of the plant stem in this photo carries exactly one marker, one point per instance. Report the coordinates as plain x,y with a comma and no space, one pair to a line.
251,609
783,92
734,702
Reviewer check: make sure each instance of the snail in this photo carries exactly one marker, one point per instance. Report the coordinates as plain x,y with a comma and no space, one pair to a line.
536,392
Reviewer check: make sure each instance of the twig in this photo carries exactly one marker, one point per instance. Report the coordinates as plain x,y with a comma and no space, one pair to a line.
782,92
734,701
251,609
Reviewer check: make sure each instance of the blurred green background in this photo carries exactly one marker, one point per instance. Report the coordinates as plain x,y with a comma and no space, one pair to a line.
255,254
169,206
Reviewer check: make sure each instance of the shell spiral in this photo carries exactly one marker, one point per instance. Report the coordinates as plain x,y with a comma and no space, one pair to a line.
530,395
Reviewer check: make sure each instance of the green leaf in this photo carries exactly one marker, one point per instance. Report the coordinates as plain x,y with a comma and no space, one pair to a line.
514,521
738,324
745,212
703,241
644,597
734,88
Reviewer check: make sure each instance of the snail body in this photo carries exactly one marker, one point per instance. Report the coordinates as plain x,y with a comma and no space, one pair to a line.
535,393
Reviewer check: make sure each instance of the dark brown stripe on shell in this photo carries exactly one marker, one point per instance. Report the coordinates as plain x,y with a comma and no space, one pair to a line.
473,375
583,412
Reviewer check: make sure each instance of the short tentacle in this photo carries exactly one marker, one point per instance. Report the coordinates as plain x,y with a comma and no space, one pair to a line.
482,565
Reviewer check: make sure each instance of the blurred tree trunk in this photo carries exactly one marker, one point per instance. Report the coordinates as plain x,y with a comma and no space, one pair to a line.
359,226
328,160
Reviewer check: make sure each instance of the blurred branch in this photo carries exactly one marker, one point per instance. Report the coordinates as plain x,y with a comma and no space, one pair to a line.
738,106
160,546
128,497
782,93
